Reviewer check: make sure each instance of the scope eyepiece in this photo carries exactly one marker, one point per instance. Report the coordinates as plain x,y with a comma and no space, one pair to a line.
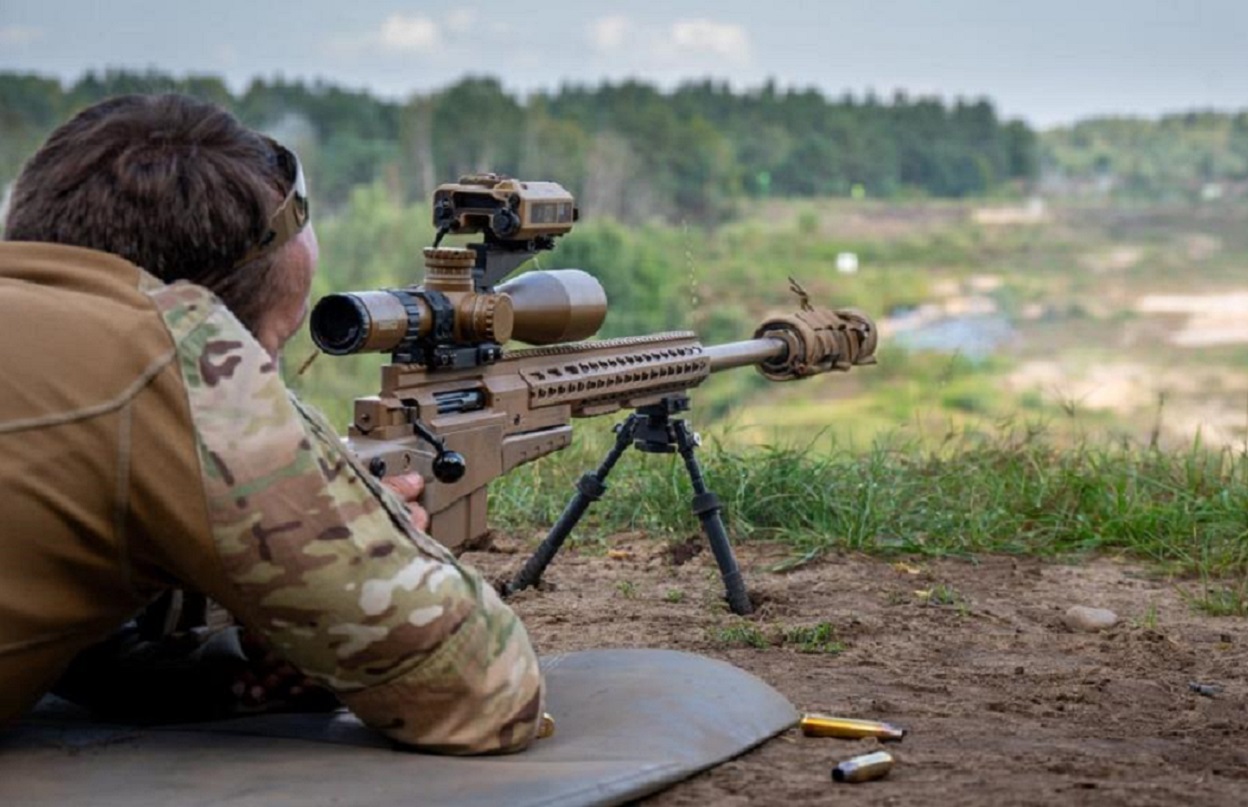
339,324
366,321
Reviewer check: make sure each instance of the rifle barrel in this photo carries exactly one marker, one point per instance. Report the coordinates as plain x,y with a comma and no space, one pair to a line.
745,353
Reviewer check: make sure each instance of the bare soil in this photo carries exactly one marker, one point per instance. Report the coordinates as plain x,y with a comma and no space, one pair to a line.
1004,704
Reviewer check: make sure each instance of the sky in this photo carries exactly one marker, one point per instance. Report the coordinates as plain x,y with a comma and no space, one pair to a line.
1046,61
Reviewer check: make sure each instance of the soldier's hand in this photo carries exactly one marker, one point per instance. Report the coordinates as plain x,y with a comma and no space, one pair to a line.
270,683
409,487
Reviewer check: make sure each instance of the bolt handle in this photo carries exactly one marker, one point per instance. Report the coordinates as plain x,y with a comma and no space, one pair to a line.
448,466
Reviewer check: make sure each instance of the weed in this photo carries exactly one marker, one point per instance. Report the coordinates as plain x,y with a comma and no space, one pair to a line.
1223,600
944,594
1148,619
741,634
819,638
627,589
674,595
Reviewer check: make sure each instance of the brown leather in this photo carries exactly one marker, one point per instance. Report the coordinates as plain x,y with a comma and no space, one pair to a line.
96,450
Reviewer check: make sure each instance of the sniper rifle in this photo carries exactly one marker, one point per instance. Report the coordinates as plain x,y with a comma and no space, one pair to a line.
459,410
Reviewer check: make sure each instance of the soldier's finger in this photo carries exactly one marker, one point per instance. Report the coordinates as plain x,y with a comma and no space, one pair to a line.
420,518
408,486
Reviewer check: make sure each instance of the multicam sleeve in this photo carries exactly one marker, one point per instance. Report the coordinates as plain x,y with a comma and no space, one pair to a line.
324,562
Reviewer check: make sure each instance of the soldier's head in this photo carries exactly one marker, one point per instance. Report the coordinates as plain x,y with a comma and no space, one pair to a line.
182,189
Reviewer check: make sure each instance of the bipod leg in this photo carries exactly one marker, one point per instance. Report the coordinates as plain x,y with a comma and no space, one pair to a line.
707,507
589,489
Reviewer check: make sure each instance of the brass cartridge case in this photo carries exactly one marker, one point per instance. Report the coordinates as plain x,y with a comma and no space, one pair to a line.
817,725
546,726
863,768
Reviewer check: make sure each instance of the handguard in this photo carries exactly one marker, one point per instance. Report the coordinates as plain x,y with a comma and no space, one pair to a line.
818,340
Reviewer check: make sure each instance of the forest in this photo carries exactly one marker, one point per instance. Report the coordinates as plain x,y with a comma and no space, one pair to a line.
632,152
627,150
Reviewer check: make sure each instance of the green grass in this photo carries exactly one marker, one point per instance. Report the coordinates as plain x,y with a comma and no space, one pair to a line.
818,638
739,634
944,594
1012,491
1223,600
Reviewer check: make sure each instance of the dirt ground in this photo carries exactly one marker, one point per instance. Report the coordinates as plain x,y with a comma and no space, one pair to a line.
1003,703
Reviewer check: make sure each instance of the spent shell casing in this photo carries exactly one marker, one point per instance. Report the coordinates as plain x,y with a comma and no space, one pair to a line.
545,726
863,768
817,725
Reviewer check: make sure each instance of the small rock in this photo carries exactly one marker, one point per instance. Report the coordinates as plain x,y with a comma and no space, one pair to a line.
1083,619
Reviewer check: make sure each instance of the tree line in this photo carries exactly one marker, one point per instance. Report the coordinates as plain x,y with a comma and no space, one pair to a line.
698,153
1199,154
627,150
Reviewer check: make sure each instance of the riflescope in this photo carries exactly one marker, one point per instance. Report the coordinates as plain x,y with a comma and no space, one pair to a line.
540,308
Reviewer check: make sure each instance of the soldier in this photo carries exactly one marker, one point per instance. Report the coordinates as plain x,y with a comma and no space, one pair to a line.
157,256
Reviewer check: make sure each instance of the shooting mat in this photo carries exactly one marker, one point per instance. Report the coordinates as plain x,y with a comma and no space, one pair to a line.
628,723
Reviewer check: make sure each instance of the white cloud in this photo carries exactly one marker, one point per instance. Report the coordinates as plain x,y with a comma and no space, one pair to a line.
610,33
709,38
688,43
16,36
417,34
461,20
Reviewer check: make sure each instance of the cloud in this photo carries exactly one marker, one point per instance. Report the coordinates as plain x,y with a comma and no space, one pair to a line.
610,33
16,36
697,41
416,35
709,38
409,34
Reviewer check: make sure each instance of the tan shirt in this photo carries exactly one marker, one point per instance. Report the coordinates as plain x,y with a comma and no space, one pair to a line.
147,441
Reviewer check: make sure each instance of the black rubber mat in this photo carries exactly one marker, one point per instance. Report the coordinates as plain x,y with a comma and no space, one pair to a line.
628,723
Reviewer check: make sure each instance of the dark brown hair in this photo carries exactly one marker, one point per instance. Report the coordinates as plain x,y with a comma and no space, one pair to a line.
172,184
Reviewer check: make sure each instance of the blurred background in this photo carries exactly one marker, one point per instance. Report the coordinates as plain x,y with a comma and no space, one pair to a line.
1043,205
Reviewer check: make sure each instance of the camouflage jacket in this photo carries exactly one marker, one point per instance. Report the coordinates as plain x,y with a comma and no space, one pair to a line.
147,440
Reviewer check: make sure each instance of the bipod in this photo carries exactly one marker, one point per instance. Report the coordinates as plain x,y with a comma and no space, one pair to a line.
651,429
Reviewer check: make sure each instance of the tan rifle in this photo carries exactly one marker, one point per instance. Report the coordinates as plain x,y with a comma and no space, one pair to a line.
459,410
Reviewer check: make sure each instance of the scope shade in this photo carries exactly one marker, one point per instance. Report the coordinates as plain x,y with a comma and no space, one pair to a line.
365,321
558,305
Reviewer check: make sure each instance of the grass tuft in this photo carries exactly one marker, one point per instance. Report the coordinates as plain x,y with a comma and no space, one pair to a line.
819,638
1010,492
739,634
